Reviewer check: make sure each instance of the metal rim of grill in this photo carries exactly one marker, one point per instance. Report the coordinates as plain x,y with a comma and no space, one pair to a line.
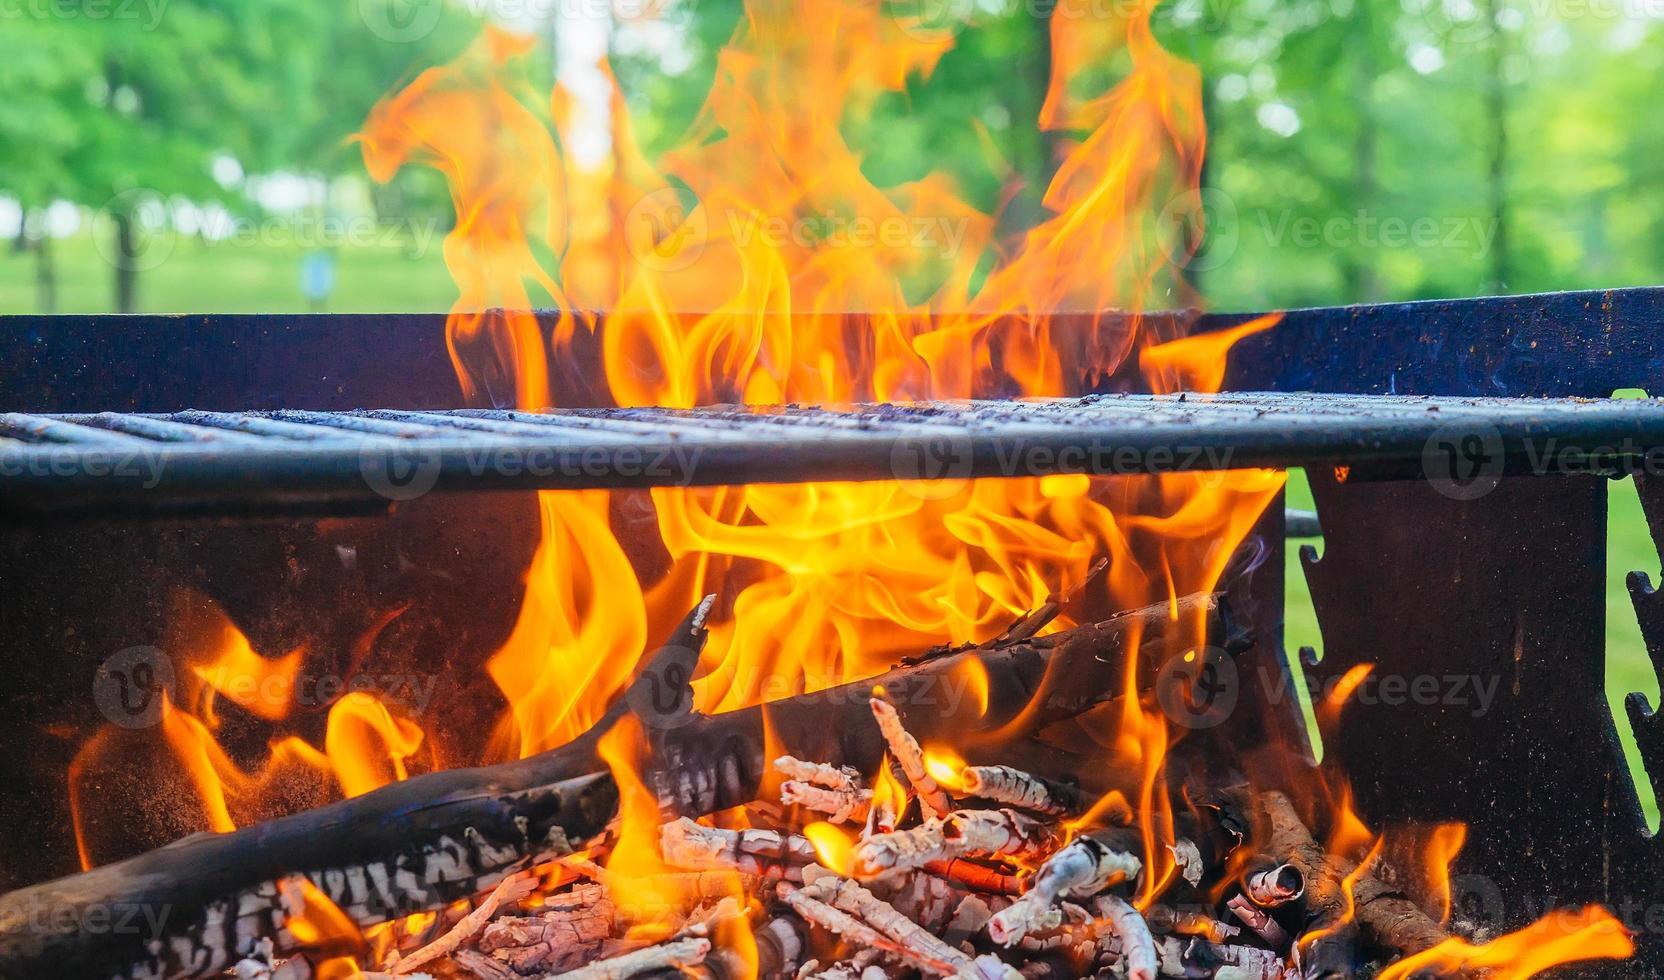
198,459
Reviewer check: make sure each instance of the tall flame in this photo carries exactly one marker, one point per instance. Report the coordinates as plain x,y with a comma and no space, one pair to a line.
760,264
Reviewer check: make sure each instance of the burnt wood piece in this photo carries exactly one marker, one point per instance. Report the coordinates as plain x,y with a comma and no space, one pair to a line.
197,906
1384,914
426,842
719,760
216,462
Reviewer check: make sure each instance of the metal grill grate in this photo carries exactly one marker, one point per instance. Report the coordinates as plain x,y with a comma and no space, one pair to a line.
235,461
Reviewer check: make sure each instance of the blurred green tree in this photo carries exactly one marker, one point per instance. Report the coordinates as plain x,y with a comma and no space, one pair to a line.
127,108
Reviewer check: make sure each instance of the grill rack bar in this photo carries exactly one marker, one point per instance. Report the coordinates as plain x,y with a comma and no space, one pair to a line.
227,461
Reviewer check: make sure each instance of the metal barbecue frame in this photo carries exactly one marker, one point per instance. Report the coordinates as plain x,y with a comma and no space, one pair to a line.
1416,574
220,461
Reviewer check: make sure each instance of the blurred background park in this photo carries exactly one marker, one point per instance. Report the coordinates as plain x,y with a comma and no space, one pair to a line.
196,155
174,155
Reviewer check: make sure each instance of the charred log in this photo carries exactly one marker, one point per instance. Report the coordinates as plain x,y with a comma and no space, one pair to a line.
427,842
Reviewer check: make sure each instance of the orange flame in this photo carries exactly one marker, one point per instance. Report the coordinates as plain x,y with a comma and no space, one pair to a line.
946,767
1558,938
316,923
833,846
634,863
762,265
1348,891
1443,845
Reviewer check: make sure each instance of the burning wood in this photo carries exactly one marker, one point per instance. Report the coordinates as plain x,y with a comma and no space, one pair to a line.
1023,790
1274,886
943,892
1080,870
676,955
963,833
1334,903
765,853
904,748
840,806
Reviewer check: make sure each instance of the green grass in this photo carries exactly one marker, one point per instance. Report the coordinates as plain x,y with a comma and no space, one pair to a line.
394,275
1629,547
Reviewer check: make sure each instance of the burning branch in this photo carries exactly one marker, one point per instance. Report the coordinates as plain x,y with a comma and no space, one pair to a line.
1138,947
1026,791
1382,912
676,955
904,748
513,889
765,853
425,843
1082,869
963,833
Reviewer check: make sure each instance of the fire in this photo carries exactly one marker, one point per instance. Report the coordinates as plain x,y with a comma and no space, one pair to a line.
887,790
367,745
1348,892
636,872
1443,845
946,767
319,924
208,786
706,303
757,263
834,847
1557,938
